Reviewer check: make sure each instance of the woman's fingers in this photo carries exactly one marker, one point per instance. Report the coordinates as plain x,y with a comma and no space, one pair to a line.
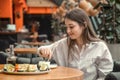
50,55
46,52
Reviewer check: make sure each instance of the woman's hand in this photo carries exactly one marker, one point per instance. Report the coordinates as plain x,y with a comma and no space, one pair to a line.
46,52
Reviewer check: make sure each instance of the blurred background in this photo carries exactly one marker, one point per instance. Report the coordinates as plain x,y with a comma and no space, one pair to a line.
43,21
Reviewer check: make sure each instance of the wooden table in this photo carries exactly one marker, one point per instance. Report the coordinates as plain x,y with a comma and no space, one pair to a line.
59,73
7,38
14,36
25,50
34,43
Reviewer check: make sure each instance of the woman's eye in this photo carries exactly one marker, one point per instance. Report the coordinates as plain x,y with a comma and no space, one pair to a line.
71,27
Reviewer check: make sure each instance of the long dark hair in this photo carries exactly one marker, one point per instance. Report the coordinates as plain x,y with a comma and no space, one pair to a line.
88,35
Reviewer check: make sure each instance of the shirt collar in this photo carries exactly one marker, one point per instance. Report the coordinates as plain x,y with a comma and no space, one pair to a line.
91,43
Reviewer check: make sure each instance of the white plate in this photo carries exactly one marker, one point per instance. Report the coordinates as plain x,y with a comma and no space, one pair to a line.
37,72
53,66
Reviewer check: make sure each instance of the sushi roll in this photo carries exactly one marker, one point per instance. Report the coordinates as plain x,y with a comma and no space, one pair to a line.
32,68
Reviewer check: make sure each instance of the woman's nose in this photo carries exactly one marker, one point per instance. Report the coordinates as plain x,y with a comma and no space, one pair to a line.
68,30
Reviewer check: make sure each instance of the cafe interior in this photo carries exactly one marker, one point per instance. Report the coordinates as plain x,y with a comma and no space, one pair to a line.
26,25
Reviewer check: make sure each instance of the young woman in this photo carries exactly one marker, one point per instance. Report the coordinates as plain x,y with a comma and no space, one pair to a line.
81,49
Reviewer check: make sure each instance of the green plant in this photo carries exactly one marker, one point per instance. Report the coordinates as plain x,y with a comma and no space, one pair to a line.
109,25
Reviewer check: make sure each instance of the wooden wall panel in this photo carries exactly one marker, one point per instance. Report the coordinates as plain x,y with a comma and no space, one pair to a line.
6,9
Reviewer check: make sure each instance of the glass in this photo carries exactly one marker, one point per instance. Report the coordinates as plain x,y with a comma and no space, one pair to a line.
11,59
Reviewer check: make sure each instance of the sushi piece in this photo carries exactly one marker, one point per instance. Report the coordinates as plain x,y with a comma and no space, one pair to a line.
9,68
43,65
32,68
22,67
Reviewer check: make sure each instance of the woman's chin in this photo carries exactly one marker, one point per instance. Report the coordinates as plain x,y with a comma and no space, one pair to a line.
72,38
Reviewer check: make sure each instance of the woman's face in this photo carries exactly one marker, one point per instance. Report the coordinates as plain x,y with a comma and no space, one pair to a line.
74,30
